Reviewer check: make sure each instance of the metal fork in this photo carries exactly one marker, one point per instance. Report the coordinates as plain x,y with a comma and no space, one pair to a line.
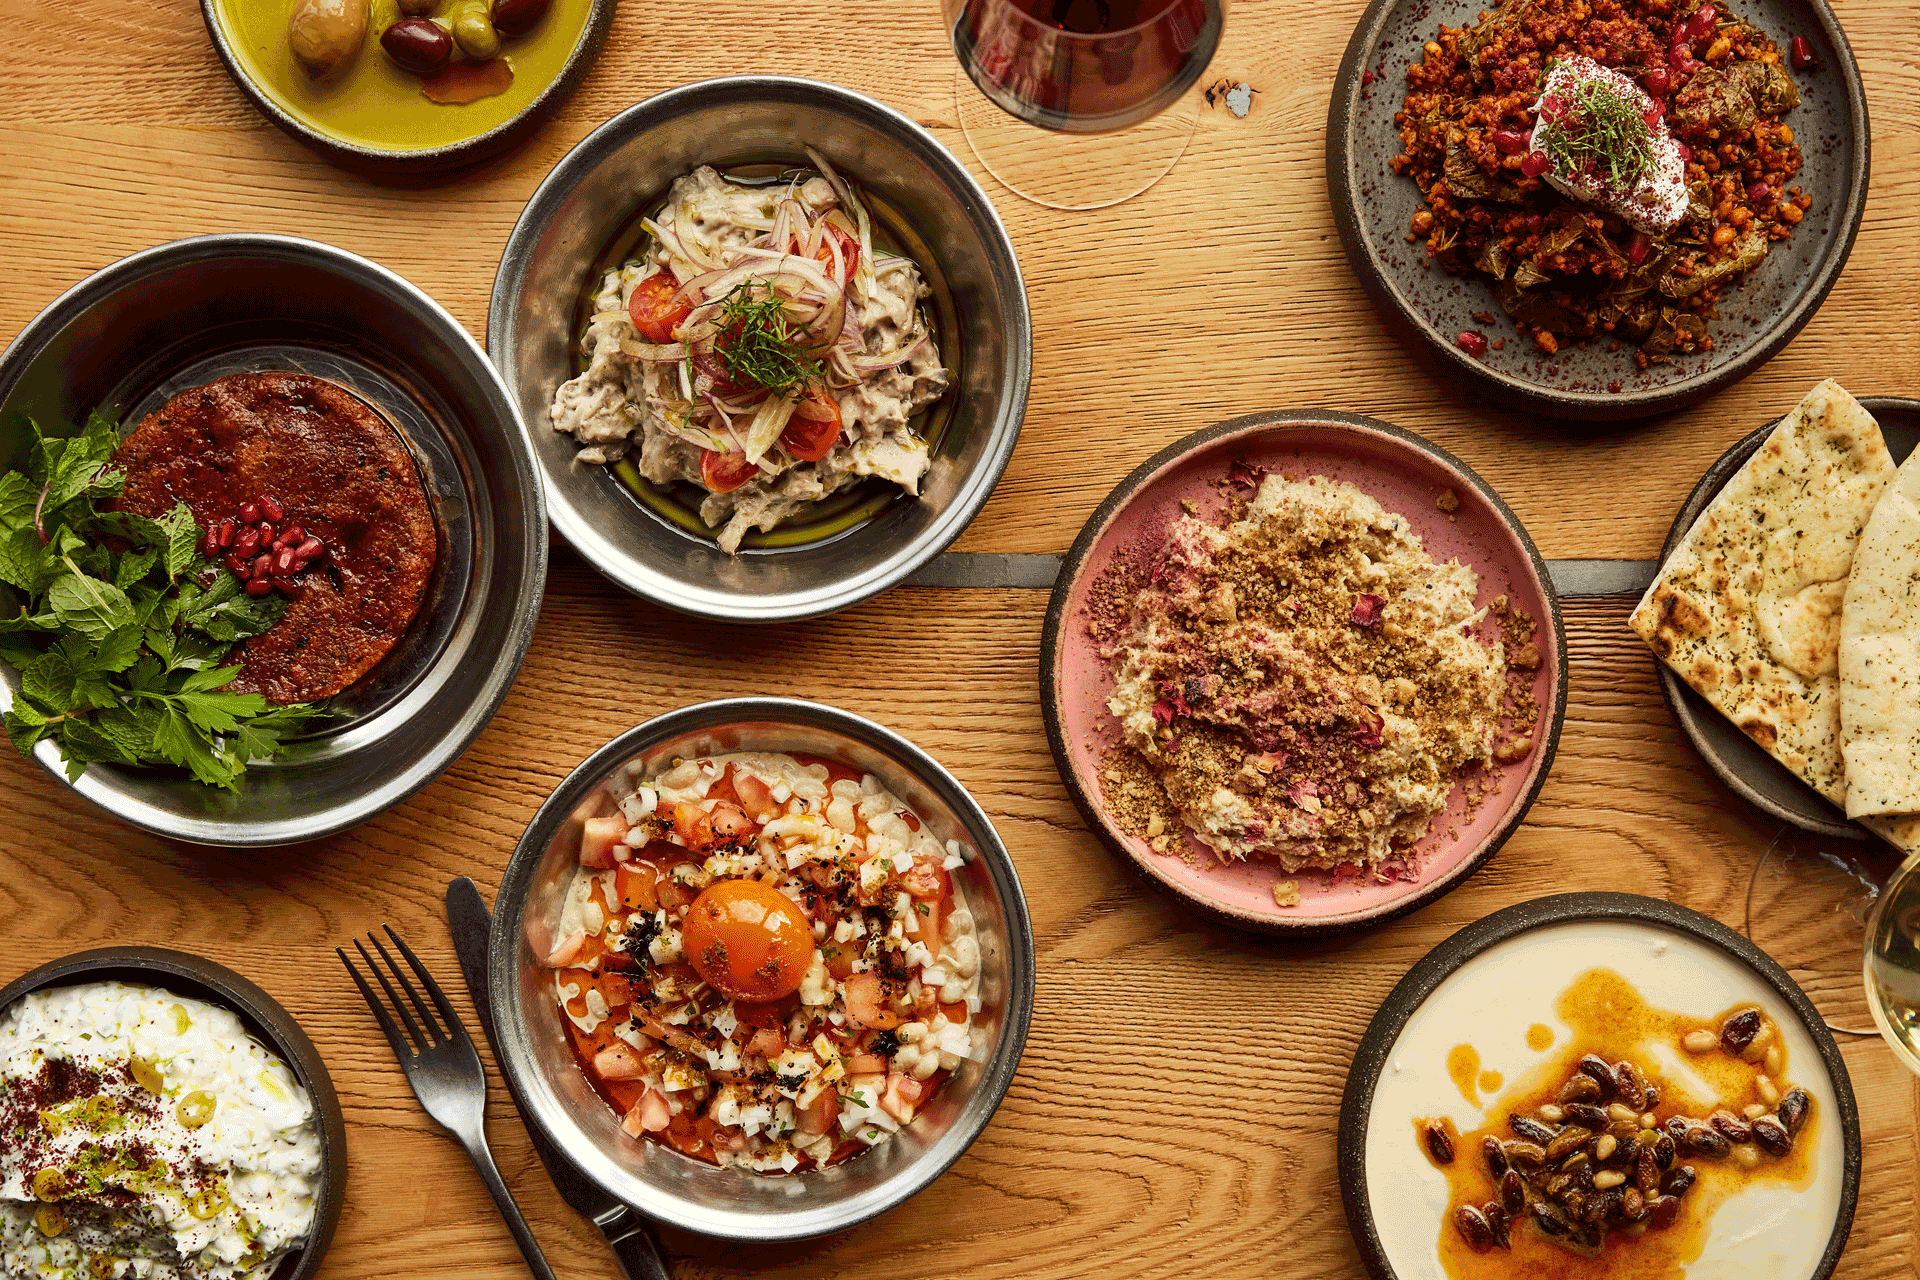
445,1072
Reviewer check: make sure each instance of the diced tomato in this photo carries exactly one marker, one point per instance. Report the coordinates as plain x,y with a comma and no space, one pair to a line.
818,1116
649,1115
844,246
673,895
869,1003
598,836
618,1062
617,988
839,961
861,1064
923,925
814,428
902,1096
773,1013
567,949
767,1042
724,824
729,824
725,472
926,880
923,1004
634,881
654,309
756,797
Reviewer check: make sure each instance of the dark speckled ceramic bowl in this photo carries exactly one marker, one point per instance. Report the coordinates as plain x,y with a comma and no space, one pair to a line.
1372,208
200,979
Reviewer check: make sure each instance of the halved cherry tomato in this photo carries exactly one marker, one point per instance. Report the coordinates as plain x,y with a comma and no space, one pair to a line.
725,472
848,248
654,309
710,364
812,438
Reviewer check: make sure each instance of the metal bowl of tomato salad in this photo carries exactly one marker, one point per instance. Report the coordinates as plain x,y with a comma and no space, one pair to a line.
753,1000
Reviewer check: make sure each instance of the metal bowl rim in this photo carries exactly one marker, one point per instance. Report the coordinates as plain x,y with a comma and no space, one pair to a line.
508,657
539,216
511,899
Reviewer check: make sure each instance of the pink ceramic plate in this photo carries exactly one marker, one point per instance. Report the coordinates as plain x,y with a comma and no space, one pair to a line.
1405,474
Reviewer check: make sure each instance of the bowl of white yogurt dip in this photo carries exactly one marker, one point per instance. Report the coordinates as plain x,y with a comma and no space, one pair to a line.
161,1117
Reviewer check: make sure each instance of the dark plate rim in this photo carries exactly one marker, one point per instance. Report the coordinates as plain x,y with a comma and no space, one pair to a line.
1412,324
1376,1044
1757,791
425,159
204,979
1053,629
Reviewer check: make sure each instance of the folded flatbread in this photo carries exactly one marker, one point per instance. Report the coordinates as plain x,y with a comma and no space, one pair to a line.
1880,666
1747,609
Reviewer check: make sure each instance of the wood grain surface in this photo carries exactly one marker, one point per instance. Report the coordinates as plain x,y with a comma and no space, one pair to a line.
1175,1110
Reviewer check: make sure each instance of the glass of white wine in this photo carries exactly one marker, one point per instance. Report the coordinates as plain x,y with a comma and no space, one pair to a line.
1893,962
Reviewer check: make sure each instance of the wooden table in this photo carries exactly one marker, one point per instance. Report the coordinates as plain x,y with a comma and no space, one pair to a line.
1195,1132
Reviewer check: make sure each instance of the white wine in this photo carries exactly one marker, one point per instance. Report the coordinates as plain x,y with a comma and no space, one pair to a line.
1893,963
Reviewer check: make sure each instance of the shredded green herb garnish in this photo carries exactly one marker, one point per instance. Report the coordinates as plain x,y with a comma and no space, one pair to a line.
117,625
1604,128
760,345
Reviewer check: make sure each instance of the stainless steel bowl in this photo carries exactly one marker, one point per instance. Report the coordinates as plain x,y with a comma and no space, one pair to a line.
624,167
201,979
173,317
552,1091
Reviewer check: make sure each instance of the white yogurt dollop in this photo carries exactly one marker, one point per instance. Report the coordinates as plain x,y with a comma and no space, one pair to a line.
1655,198
147,1134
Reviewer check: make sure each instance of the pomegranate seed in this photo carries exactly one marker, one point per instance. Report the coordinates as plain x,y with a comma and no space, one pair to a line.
1686,152
1652,116
249,512
1759,192
1702,21
227,530
288,587
1552,107
1510,141
291,536
1801,54
1474,344
1637,249
1535,222
310,549
258,586
282,561
271,509
1535,164
266,533
1683,64
262,567
247,543
237,565
1657,82
209,544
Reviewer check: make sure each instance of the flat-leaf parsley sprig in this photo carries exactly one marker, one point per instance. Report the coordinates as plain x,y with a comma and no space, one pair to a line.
117,625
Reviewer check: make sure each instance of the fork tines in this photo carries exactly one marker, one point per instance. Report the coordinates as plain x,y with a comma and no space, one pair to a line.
420,1036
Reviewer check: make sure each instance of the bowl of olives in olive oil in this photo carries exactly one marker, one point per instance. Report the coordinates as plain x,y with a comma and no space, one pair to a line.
412,85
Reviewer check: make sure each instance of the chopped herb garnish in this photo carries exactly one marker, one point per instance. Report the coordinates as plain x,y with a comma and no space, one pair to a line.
1601,127
117,624
923,908
760,344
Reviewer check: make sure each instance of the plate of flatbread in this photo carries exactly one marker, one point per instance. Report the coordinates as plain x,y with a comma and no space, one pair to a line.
1786,617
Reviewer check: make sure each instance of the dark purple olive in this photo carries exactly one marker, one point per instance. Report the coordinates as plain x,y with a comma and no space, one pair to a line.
516,17
419,45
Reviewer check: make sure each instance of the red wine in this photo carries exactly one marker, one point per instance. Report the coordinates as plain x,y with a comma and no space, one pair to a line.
1086,66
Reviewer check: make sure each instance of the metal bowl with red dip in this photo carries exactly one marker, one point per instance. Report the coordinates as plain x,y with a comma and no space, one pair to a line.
300,487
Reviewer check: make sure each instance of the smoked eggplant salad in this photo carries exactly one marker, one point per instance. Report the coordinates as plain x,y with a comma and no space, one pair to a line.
765,962
761,349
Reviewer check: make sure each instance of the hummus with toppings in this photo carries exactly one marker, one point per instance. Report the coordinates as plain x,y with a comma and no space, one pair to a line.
147,1134
1299,680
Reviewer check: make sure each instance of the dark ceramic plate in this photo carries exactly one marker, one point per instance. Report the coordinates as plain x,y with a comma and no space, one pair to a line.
250,38
1735,758
1372,208
1404,473
273,1026
1493,987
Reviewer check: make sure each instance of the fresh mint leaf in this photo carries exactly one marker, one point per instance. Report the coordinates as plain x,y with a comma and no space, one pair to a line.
25,561
134,565
224,612
88,605
49,681
118,650
17,496
181,539
25,727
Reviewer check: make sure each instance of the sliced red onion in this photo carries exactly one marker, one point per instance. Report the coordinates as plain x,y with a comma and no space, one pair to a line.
654,351
887,360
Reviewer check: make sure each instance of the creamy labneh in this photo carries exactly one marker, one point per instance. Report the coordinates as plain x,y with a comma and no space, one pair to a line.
1607,145
147,1134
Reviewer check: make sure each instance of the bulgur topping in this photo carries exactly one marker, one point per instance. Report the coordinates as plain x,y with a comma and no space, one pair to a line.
1297,679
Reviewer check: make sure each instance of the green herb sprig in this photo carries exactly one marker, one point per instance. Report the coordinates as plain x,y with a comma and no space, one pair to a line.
761,346
1603,127
117,625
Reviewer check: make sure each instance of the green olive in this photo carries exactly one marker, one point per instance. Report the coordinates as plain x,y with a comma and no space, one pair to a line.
473,32
195,1109
326,35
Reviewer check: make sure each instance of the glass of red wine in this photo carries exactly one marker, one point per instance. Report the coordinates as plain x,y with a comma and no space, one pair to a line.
1079,104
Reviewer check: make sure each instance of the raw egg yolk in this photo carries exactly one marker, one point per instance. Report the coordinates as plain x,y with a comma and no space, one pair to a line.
748,940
